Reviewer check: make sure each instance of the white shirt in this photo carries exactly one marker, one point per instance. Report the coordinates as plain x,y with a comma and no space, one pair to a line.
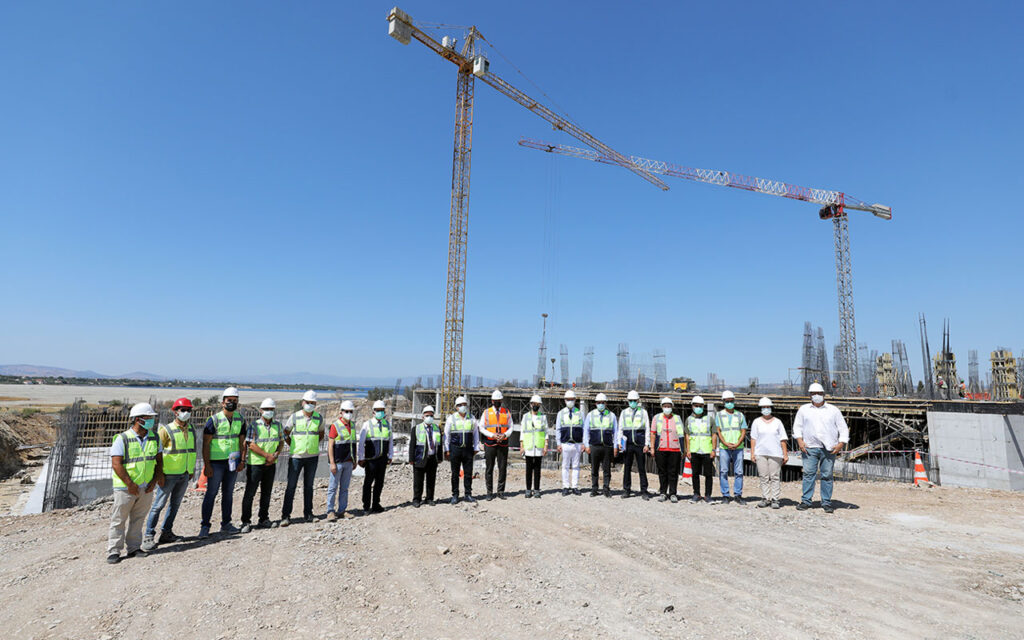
820,426
768,437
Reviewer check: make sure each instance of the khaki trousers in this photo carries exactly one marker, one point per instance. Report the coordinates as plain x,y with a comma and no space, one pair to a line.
129,511
769,469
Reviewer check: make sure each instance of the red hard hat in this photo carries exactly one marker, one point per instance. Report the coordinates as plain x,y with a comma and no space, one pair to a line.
181,402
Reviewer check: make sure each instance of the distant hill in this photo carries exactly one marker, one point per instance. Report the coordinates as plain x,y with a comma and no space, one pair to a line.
43,371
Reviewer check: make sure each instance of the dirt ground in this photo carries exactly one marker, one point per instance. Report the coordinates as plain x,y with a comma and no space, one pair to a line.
892,561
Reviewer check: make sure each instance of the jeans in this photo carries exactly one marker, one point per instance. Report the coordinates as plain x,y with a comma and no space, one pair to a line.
601,458
634,453
497,453
702,464
730,458
818,461
174,489
307,467
261,477
338,486
224,480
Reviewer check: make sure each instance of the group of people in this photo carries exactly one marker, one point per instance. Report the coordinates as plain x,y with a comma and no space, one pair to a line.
148,460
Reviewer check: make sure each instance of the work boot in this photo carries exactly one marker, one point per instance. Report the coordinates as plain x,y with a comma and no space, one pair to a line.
246,528
148,544
803,506
565,492
607,493
331,516
646,495
762,504
415,503
285,522
167,537
501,495
776,505
828,508
626,494
673,499
454,500
114,558
309,518
576,491
593,492
662,498
470,499
739,500
204,532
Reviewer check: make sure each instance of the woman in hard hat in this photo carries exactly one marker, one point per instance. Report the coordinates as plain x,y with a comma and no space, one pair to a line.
534,444
768,451
264,441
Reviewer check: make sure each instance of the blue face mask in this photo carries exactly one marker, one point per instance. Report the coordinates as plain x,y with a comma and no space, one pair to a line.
379,415
730,405
148,423
600,407
698,410
633,404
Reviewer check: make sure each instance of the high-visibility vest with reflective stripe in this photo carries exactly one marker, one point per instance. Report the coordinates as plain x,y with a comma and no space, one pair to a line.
570,430
535,433
268,438
422,429
499,422
461,431
730,426
181,457
225,437
666,432
601,429
378,438
345,443
139,460
700,433
633,426
305,438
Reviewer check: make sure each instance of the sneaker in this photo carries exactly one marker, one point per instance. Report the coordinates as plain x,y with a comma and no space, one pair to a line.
803,506
415,503
726,499
246,528
377,509
501,495
646,496
167,537
331,516
576,492
348,516
470,499
309,518
204,533
673,499
148,544
828,508
565,492
114,558
229,528
607,493
695,499
529,493
763,504
265,524
490,496
662,498
776,505
138,553
454,500
593,493
738,500
626,494
285,522
536,494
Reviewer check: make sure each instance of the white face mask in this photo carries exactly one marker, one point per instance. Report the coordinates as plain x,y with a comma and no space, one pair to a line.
268,414
428,419
462,409
817,398
347,415
570,403
184,415
308,406
667,411
766,411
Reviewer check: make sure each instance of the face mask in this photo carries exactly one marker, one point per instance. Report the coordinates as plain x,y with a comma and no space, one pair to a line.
600,407
148,423
308,407
428,419
231,406
570,403
698,410
268,414
766,411
379,415
633,404
347,415
462,409
667,411
730,405
184,415
535,408
817,398
497,404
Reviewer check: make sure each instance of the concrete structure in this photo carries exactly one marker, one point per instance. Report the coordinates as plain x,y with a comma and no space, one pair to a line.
982,433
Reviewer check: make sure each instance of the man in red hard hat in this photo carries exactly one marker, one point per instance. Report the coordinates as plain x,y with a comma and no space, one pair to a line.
178,443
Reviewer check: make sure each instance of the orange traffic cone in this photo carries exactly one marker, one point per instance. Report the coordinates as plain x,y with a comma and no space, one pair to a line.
920,475
687,470
201,482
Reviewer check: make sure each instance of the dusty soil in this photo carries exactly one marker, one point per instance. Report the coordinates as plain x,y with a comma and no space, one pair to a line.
17,430
892,561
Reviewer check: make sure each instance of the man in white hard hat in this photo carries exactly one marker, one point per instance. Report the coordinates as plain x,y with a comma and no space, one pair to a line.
599,429
223,443
424,453
666,428
731,429
495,427
304,431
533,442
700,443
375,449
461,442
768,452
264,441
569,440
343,440
634,438
136,469
821,432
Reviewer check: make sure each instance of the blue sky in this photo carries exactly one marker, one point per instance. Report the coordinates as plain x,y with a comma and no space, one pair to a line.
214,188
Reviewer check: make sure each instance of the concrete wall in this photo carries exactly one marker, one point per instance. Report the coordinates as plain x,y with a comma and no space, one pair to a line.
989,438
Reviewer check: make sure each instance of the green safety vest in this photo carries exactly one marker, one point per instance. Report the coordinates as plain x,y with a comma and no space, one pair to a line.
225,438
700,433
378,435
535,432
730,426
181,457
305,433
601,422
268,438
139,460
462,428
633,421
421,436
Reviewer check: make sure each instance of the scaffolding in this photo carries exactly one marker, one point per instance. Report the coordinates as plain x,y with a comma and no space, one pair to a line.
622,367
946,380
587,375
809,359
926,357
822,358
885,376
660,369
973,378
1004,375
564,365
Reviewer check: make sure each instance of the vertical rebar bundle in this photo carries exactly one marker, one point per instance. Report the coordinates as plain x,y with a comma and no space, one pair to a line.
926,356
565,365
973,379
809,359
822,356
946,378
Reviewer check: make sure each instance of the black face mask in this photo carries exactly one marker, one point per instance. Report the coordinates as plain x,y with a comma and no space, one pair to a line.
497,404
230,406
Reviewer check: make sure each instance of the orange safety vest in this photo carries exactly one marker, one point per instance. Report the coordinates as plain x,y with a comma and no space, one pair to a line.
498,422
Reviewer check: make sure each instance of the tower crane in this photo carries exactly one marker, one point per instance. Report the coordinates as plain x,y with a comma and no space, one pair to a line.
835,207
472,64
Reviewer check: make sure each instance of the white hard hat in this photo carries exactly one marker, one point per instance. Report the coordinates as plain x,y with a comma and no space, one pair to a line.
348,406
141,409
816,388
764,402
632,395
570,395
535,399
309,396
697,400
728,395
496,395
268,403
460,400
666,400
230,391
428,409
379,404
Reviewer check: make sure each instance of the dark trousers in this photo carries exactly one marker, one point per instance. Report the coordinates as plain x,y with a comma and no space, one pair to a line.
428,472
462,458
668,471
258,477
373,481
634,453
702,464
499,453
224,480
533,472
307,467
601,456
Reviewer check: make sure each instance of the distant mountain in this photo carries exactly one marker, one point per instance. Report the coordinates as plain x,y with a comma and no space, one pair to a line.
42,371
141,375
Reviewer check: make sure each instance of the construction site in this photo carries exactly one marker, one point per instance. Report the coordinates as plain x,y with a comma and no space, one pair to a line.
926,537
